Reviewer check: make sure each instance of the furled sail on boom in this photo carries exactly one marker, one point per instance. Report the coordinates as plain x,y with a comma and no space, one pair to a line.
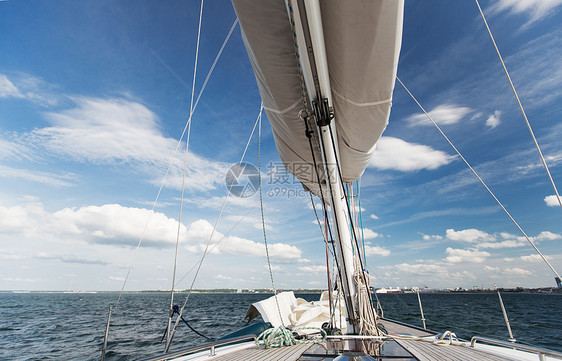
362,42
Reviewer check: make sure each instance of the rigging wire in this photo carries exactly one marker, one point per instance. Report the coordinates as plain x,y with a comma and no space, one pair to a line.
305,96
328,251
308,132
179,229
171,312
342,271
480,179
219,242
216,60
324,234
169,167
370,309
206,251
521,106
263,226
361,220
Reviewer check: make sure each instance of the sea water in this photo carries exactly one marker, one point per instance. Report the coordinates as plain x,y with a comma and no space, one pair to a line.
71,326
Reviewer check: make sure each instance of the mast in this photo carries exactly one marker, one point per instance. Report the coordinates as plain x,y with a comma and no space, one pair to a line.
339,218
342,56
315,68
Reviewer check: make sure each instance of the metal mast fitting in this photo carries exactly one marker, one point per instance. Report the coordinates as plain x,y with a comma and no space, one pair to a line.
310,36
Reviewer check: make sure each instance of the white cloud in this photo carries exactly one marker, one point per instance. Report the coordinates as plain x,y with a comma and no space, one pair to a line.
517,271
536,9
52,179
25,219
445,114
254,221
469,235
222,277
217,202
507,235
502,244
9,149
200,231
494,119
313,269
8,89
422,269
7,255
70,258
368,233
376,251
373,216
428,237
463,275
106,130
116,224
121,131
28,87
19,279
465,255
394,153
107,224
546,236
490,268
274,267
551,201
533,258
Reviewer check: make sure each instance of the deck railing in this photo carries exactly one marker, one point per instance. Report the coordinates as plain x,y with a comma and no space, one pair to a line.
210,346
540,351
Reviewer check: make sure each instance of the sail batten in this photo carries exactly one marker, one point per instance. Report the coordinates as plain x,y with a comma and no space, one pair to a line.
362,41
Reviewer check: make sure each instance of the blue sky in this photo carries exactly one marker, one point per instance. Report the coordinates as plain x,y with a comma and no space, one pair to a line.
95,94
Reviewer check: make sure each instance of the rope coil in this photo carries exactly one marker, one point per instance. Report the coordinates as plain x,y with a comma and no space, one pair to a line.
282,336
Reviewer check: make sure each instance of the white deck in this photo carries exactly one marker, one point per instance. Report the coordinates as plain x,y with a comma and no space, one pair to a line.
258,353
399,349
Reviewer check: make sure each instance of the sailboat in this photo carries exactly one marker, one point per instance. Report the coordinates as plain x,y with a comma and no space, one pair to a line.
326,71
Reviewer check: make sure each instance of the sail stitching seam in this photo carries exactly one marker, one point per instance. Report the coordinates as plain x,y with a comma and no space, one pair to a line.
361,104
286,110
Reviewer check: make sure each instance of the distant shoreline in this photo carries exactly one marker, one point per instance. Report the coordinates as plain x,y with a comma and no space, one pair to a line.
543,290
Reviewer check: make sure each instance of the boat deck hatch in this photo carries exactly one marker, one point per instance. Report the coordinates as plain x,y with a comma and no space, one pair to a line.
388,350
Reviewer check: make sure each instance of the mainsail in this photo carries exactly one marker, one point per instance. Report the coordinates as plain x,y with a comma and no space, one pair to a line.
362,42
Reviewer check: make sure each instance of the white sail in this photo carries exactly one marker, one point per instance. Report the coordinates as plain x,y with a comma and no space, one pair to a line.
362,41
